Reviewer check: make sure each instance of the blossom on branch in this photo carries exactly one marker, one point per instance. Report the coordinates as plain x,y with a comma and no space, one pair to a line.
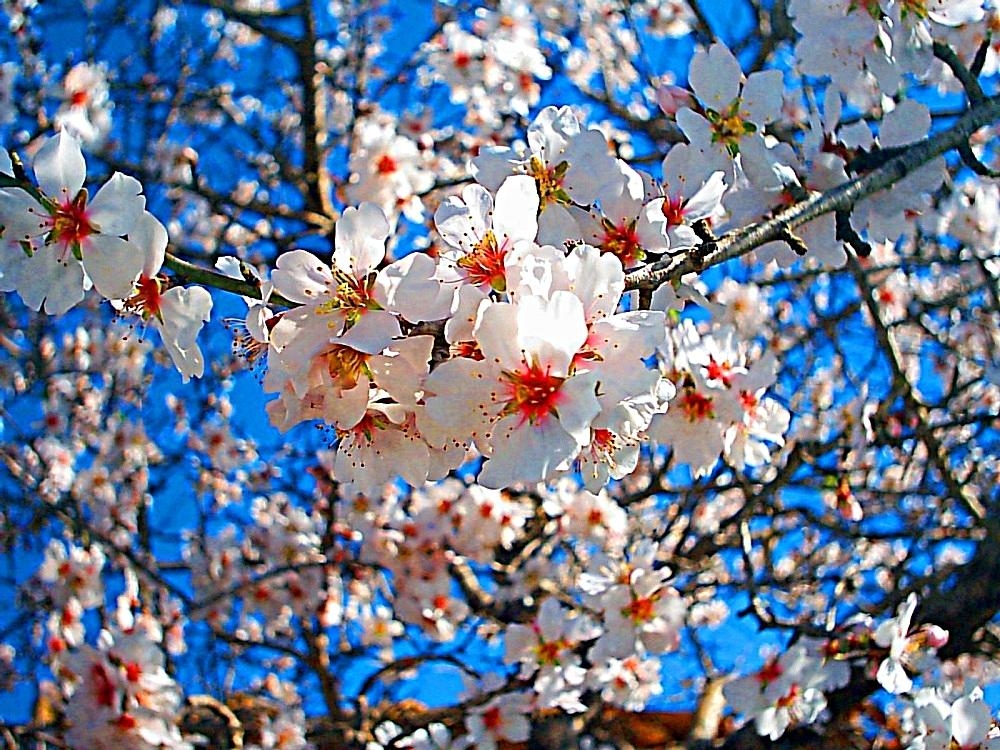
58,244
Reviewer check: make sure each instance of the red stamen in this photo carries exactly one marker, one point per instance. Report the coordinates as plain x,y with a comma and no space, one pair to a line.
533,393
492,719
641,610
385,165
133,671
770,672
104,688
719,371
485,264
696,406
70,224
673,210
126,722
622,241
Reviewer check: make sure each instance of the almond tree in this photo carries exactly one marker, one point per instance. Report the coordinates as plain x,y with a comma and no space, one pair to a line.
653,348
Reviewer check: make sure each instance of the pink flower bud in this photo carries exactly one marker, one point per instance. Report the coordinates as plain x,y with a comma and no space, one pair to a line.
671,98
935,635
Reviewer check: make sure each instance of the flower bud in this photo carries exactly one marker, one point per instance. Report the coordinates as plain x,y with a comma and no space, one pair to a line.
934,636
671,98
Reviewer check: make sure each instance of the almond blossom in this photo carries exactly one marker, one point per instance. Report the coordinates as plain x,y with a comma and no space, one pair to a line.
912,27
787,690
502,718
886,214
720,405
905,648
695,424
120,696
966,723
568,164
764,419
545,650
733,114
463,62
627,225
177,313
690,194
74,572
630,682
389,170
68,241
523,405
482,231
86,108
641,613
338,322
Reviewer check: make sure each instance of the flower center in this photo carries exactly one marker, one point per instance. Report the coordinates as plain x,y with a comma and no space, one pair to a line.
485,264
603,439
790,697
642,609
352,296
533,393
386,165
549,181
133,671
468,349
70,224
623,242
366,428
696,406
673,210
721,371
492,719
346,365
145,300
728,127
548,652
769,673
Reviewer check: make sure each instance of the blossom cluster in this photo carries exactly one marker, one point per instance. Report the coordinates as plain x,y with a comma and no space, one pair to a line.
116,693
57,243
547,370
791,687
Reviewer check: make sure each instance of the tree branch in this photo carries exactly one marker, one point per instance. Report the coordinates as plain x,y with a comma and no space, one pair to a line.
742,241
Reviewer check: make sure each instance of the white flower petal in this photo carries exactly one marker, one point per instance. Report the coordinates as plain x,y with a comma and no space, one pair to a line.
715,76
60,168
360,239
112,264
515,209
184,312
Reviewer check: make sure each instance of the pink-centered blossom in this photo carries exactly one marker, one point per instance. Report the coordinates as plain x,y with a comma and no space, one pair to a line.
481,230
523,404
66,240
905,647
569,165
177,313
